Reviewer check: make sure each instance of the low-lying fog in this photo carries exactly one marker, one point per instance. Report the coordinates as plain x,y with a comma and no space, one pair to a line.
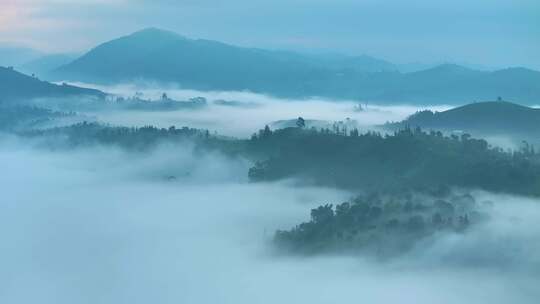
252,113
106,226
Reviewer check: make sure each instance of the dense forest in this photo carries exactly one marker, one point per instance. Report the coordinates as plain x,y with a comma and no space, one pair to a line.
409,158
13,119
130,138
346,159
383,224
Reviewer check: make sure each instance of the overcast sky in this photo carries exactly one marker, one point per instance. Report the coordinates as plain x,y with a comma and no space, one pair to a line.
494,33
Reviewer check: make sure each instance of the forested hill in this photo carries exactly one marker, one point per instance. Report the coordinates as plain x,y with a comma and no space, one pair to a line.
385,224
17,86
409,159
165,56
495,117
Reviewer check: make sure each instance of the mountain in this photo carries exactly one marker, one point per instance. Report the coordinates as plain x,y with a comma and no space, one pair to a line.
16,86
449,83
420,66
158,55
483,118
209,65
43,65
164,55
339,62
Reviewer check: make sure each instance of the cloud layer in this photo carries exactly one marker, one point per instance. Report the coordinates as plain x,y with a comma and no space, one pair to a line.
103,226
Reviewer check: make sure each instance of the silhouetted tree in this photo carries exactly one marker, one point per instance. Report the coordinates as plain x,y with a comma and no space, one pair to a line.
300,122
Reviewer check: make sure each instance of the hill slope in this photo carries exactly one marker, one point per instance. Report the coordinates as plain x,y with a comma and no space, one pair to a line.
16,86
405,160
154,54
485,118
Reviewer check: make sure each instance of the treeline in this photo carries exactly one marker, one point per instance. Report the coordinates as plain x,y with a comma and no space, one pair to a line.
407,159
163,104
14,118
384,225
135,138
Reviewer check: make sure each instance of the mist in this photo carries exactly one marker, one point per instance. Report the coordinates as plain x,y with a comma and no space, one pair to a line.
251,111
105,225
200,152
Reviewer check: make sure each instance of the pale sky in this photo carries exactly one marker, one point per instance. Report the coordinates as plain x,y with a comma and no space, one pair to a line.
495,33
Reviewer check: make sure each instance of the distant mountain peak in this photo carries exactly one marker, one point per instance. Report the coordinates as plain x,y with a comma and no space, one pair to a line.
156,32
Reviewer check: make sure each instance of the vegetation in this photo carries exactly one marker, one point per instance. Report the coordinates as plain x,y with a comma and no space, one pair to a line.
143,138
385,225
24,117
408,159
163,104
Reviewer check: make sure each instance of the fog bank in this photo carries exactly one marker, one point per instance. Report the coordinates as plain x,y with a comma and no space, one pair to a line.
242,121
104,226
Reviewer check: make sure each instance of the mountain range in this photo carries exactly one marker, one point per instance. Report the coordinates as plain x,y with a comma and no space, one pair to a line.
163,56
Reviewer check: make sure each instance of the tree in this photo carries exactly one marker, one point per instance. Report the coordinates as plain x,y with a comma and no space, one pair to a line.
342,209
267,132
322,214
300,122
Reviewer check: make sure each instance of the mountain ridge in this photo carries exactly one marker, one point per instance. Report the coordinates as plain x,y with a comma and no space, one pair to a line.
16,86
164,56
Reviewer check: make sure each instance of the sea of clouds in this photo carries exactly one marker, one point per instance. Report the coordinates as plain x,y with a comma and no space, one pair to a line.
103,225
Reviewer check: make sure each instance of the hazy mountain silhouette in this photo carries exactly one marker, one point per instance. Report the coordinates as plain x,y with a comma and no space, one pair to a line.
154,54
450,83
43,65
17,86
203,64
